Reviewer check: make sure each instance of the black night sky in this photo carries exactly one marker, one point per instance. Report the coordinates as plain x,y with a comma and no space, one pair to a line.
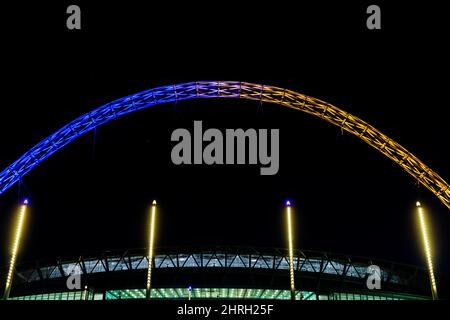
94,194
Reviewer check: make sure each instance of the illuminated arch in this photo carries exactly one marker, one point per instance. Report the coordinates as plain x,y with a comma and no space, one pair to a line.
226,89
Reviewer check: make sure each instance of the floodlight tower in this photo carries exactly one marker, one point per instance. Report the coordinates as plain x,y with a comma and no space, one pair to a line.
427,250
150,248
15,247
291,249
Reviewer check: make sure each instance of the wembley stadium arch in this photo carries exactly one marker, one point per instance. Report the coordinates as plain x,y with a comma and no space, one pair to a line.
340,273
227,89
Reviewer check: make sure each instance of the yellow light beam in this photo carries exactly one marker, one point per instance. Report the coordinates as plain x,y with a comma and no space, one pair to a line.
150,249
15,249
427,247
291,249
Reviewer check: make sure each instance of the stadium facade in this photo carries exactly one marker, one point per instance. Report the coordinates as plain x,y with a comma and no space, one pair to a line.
217,273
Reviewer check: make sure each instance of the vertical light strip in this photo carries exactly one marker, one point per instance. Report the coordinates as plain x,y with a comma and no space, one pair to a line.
15,249
427,247
150,249
291,249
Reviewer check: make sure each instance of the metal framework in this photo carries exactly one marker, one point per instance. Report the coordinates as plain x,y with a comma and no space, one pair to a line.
317,264
227,89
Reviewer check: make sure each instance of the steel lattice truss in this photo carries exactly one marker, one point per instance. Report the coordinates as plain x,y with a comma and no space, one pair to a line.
227,89
309,262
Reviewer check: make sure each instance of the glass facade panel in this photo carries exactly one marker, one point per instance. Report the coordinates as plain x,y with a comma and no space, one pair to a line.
211,260
93,266
338,267
55,273
208,293
136,262
312,265
328,268
72,295
70,267
282,263
117,264
191,262
164,262
237,262
266,262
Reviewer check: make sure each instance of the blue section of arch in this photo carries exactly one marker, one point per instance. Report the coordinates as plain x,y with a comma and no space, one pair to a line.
113,110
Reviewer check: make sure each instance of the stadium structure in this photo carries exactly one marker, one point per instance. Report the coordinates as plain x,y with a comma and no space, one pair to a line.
218,273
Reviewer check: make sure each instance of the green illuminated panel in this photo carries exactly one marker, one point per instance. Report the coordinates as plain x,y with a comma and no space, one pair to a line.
72,295
218,293
374,296
208,293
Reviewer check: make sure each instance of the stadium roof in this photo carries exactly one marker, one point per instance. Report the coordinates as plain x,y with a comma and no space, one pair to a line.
220,269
